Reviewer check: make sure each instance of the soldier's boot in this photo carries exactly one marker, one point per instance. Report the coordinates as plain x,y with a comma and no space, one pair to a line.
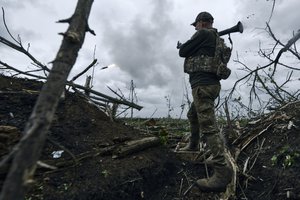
222,169
218,182
193,144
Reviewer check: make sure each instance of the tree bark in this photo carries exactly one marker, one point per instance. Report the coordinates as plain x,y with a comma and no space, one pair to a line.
28,150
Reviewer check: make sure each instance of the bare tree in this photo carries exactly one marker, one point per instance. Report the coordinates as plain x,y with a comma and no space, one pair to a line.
264,79
268,89
28,150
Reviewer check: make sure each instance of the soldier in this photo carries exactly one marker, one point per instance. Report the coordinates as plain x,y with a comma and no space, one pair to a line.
199,52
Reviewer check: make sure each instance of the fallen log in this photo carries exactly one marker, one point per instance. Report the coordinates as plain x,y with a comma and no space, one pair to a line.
136,146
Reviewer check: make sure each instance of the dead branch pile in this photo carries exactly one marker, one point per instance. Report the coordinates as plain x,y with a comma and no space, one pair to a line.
261,135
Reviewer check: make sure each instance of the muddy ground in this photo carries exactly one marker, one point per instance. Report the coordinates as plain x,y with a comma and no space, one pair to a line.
269,165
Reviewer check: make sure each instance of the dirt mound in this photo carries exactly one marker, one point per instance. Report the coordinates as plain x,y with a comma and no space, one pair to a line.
87,138
84,160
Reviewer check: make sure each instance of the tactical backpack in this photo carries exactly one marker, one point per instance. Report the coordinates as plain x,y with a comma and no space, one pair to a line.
216,64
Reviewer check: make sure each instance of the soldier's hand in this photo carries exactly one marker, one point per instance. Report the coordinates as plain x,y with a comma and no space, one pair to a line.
178,45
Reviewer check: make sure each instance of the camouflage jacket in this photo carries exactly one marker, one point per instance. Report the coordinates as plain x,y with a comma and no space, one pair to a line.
214,60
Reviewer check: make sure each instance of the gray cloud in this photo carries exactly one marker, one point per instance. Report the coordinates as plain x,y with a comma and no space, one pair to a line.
255,15
18,25
140,37
286,18
16,4
140,46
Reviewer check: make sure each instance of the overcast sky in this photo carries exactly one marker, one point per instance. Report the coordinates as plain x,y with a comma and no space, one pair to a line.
137,38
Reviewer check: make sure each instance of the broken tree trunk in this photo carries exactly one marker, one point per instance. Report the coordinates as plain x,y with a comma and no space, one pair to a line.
87,85
111,99
28,150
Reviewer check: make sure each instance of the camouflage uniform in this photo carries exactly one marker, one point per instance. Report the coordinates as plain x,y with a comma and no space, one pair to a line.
205,89
202,116
202,109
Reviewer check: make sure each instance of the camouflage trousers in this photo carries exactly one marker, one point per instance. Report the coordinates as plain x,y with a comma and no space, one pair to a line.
202,117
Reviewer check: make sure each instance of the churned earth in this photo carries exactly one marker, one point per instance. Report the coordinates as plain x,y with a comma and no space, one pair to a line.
84,147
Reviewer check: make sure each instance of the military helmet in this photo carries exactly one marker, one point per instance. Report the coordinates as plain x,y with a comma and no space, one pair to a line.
203,16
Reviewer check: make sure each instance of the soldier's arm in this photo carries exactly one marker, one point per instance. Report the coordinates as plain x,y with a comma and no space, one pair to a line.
190,47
